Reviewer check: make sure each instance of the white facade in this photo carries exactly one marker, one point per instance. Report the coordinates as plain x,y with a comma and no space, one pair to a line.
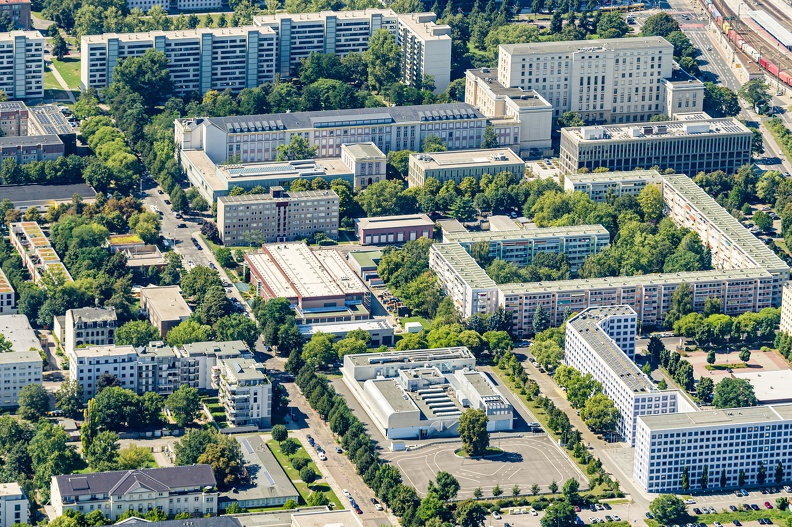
7,296
467,284
456,166
601,341
89,326
14,505
22,64
245,391
19,368
786,310
598,186
727,441
87,364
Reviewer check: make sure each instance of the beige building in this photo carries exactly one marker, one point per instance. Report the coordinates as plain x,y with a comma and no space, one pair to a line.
367,162
457,165
89,326
279,216
164,306
786,310
599,185
690,144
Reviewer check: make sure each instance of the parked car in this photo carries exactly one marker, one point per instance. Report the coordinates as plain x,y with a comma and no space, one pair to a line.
533,512
340,450
345,491
496,515
649,516
378,507
690,501
159,191
608,518
754,506
767,505
605,504
616,518
713,511
696,510
732,508
737,523
167,202
181,226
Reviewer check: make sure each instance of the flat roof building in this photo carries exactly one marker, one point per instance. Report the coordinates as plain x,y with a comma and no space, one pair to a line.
319,284
244,391
22,59
393,229
770,387
464,281
37,254
7,296
279,216
86,365
268,485
457,165
599,185
365,263
164,306
45,196
17,330
367,162
30,148
15,507
501,222
381,330
692,143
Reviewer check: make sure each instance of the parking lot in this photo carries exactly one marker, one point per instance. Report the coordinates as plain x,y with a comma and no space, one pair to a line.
621,510
526,461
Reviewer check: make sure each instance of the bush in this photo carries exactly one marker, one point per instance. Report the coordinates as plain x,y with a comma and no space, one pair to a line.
299,462
291,504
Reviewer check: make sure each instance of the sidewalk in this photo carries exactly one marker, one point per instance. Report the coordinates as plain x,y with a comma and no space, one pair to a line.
60,80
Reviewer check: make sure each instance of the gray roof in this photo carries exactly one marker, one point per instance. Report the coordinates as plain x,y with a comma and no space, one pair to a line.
267,478
580,45
118,482
91,314
23,194
215,521
30,140
331,118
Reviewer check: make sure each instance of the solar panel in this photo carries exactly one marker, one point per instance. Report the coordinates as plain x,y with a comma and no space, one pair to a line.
269,478
79,483
246,446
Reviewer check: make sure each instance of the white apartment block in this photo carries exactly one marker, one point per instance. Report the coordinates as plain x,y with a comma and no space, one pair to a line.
86,365
457,165
22,64
521,246
786,309
181,5
172,490
245,391
145,5
425,45
464,281
14,505
279,216
598,186
7,296
601,341
89,326
690,144
19,368
726,441
199,60
255,138
605,81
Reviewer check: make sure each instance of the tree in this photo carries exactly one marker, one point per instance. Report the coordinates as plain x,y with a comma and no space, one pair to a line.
33,402
600,413
745,355
490,140
755,92
516,490
559,514
237,327
224,257
319,350
704,477
136,333
540,319
225,457
184,405
69,398
470,514
779,472
570,120
570,490
612,25
734,393
134,457
661,25
199,281
704,388
462,209
102,452
308,474
478,493
763,221
548,354
473,432
297,148
146,75
668,509
761,474
279,433
711,357
187,332
651,200
382,58
497,490
433,143
720,101
289,446
445,486
316,499
59,46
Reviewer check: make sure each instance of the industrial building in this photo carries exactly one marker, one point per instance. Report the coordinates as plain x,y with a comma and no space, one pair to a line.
457,165
600,185
423,393
279,216
393,229
22,60
380,330
319,284
692,143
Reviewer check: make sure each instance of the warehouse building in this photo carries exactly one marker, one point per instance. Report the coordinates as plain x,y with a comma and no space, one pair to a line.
457,165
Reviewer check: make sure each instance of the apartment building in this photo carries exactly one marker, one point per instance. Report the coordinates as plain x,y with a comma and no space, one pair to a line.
393,229
319,284
521,246
601,341
604,81
172,490
164,306
244,391
786,309
89,326
86,365
27,149
733,444
37,254
199,60
732,245
14,504
14,116
19,368
7,296
22,60
255,138
690,144
279,216
599,186
457,165
19,10
464,281
425,45
17,330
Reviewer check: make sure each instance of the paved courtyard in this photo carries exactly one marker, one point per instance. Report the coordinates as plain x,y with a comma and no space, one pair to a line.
525,461
760,361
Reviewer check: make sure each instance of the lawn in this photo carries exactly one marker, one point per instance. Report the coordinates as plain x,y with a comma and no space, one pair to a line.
424,322
69,68
778,516
303,488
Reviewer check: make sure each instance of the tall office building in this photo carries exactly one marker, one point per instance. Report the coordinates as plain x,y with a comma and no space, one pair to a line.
22,64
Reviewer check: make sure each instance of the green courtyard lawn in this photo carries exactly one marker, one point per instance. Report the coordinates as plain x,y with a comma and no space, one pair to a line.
303,488
69,68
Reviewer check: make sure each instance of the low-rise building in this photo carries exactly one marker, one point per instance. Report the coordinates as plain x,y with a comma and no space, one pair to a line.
86,365
172,490
380,330
37,254
690,144
280,216
367,162
601,341
164,306
267,484
457,165
365,263
501,222
599,185
7,296
89,326
770,387
393,229
319,284
14,504
43,197
26,149
17,330
244,391
47,119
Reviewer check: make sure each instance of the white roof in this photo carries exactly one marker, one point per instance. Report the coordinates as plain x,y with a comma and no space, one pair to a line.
17,329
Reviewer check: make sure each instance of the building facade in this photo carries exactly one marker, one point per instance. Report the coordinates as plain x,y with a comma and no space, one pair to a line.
691,144
279,216
601,341
786,309
18,10
37,254
456,166
367,162
27,149
393,229
14,504
22,64
86,365
244,391
164,306
89,326
464,281
172,490
380,330
7,296
19,368
599,186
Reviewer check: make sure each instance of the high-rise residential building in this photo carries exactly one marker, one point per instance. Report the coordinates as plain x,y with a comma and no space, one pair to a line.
425,45
14,504
467,285
22,64
17,370
7,296
244,391
599,185
279,216
733,445
89,326
457,165
601,341
618,80
690,144
255,138
199,60
786,309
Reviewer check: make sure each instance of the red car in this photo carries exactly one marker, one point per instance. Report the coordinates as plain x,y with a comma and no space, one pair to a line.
577,509
767,505
358,511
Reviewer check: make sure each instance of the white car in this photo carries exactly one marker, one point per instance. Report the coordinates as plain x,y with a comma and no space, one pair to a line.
378,506
322,456
690,502
346,493
616,518
496,515
533,512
